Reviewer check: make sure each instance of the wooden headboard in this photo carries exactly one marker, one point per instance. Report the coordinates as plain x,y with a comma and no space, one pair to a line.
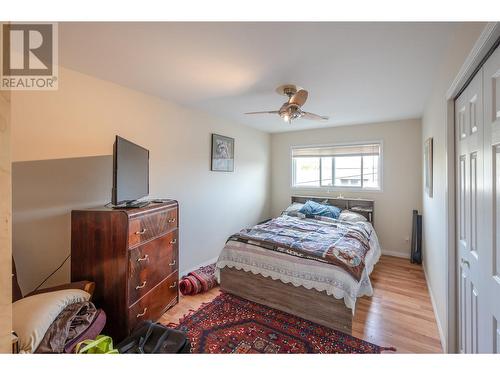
365,207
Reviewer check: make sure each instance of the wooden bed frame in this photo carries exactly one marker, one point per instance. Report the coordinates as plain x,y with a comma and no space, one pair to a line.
309,304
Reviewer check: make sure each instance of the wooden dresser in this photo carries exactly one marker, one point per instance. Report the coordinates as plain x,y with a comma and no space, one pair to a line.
132,256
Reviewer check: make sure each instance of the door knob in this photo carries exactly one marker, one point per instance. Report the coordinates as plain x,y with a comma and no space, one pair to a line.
466,262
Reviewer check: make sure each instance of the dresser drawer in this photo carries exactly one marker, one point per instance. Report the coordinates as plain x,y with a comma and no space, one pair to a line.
154,303
143,228
151,263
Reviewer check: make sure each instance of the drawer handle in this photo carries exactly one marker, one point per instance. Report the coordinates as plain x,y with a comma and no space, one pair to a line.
141,286
173,285
173,242
145,257
142,313
172,264
141,232
172,220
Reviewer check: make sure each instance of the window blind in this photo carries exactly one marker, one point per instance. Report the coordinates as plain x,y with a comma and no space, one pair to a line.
348,150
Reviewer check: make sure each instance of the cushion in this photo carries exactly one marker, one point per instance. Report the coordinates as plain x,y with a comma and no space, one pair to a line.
354,217
293,209
312,208
32,316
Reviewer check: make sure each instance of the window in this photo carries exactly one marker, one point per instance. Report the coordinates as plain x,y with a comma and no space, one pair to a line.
346,167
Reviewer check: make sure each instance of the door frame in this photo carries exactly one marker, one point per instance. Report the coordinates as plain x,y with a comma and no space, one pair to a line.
5,224
489,36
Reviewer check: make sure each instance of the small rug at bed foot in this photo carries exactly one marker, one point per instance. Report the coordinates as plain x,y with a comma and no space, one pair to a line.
230,324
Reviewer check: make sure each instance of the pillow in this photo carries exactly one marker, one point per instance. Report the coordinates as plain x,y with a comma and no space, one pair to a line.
293,209
312,208
354,217
33,315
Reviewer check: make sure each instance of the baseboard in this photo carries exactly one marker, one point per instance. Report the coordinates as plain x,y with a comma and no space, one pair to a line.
209,261
436,316
395,254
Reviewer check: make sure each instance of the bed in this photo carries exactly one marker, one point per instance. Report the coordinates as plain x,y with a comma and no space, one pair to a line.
295,279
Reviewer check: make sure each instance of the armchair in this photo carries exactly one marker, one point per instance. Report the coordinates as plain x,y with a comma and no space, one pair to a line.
95,327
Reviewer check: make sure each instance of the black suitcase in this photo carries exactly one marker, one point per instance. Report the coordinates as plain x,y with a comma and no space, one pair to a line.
154,338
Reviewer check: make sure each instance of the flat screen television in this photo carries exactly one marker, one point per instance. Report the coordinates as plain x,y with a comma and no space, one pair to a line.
130,173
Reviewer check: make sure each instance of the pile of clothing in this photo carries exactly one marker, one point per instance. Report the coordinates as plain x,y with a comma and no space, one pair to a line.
66,331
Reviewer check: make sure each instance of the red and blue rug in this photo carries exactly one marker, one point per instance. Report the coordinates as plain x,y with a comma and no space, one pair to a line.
230,324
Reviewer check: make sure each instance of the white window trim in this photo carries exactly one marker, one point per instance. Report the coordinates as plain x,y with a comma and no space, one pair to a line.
333,189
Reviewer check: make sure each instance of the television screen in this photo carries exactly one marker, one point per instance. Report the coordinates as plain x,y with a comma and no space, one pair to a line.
130,172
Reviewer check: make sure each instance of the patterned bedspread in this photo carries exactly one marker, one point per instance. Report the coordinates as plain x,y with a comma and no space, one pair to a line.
335,242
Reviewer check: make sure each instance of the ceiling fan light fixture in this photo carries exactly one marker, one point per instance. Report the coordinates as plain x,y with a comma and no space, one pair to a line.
286,117
292,109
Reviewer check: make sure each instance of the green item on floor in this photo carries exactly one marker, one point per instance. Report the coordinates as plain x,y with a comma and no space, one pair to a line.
101,345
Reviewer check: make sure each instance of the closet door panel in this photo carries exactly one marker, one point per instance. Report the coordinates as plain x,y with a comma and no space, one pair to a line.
463,221
470,160
490,261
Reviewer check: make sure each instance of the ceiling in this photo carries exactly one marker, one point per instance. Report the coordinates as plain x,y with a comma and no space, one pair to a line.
354,72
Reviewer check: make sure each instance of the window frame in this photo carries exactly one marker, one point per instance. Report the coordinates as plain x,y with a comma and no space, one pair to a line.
333,188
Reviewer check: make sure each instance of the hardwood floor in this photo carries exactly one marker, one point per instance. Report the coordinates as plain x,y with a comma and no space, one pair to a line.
399,313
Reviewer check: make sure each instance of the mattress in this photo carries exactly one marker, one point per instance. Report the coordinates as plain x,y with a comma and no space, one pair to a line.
305,272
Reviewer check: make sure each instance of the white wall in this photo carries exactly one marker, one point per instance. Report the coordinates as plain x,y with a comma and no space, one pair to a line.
434,209
81,120
402,188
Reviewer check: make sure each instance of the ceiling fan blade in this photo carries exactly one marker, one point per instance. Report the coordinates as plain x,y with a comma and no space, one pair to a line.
261,112
313,116
299,98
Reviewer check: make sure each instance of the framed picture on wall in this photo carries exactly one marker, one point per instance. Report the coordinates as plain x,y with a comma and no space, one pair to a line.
222,153
428,166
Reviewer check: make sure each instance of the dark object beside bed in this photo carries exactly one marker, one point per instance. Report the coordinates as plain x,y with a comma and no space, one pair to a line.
416,238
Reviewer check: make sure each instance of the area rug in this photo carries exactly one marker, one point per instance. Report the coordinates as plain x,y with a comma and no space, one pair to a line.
230,324
198,281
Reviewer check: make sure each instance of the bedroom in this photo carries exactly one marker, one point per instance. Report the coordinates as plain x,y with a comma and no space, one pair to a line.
305,210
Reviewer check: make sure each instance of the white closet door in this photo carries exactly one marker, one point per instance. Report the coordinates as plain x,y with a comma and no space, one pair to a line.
469,162
490,259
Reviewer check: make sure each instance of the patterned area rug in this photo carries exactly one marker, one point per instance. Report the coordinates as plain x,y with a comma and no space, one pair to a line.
198,281
230,324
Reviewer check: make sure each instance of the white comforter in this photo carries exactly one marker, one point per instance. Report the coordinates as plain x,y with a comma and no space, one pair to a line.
301,271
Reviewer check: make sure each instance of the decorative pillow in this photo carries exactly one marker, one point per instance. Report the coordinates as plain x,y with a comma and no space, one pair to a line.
312,208
354,217
33,315
293,209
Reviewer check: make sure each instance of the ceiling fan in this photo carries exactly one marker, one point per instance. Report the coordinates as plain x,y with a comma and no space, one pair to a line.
292,109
